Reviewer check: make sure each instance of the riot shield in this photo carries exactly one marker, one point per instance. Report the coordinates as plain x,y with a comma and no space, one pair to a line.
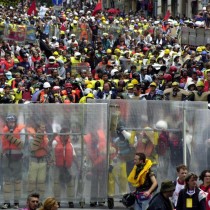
155,128
197,140
43,150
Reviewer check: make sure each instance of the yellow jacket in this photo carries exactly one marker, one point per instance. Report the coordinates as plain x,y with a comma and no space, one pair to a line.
142,175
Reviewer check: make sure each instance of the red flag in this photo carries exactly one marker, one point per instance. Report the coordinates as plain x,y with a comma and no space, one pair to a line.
168,14
97,8
32,8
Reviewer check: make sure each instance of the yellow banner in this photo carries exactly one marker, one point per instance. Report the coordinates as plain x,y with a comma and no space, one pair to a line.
9,2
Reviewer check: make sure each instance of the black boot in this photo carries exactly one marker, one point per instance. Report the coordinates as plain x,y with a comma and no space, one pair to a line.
71,205
93,204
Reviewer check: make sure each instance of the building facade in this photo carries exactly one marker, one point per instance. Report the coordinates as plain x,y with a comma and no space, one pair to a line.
179,8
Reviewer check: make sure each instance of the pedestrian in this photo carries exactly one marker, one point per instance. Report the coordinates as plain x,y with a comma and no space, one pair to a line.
180,182
143,178
191,197
50,204
32,202
205,178
162,199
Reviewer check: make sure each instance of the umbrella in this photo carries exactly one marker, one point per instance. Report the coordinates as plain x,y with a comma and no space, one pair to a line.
113,11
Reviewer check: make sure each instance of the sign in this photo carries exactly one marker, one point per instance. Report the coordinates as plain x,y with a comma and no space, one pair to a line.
57,2
56,7
15,32
30,33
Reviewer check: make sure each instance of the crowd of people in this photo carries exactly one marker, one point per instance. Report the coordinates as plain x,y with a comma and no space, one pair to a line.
106,55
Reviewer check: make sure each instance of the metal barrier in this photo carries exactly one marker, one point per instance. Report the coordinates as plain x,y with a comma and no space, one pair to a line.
194,36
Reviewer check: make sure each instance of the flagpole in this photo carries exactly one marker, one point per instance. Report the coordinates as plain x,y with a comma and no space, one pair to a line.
22,3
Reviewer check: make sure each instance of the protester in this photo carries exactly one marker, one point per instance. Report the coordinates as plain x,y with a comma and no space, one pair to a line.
136,47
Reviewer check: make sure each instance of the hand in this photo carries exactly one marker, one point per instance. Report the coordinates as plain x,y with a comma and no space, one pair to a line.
8,135
147,194
40,133
120,129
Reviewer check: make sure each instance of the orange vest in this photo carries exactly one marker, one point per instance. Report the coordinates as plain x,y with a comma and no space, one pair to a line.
43,146
66,99
42,98
146,148
95,152
83,33
6,145
63,154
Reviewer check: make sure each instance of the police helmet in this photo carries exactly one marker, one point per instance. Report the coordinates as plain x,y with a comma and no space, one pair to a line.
11,118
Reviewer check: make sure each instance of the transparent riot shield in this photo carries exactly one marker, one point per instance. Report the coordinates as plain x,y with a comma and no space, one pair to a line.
155,128
14,153
197,140
43,150
95,152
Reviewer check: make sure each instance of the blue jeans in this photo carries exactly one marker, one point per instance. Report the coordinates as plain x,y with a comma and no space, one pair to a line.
141,205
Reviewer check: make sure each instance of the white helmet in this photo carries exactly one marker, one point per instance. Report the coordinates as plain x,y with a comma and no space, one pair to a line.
113,71
161,124
77,54
46,85
87,91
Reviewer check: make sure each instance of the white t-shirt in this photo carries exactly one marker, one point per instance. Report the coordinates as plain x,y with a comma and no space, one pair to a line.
178,188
